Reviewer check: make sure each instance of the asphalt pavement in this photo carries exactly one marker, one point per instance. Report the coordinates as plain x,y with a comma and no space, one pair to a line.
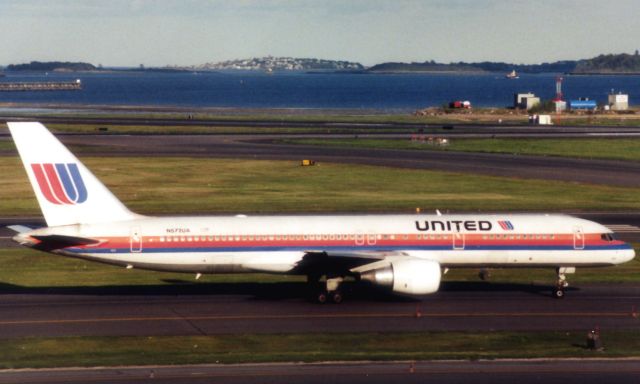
562,371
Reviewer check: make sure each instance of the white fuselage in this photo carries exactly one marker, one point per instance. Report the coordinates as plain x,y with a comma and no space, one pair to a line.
277,244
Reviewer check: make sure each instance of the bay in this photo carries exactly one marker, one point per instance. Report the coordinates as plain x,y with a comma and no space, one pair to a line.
397,92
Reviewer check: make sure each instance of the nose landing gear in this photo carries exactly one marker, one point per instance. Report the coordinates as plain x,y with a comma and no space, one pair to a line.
561,282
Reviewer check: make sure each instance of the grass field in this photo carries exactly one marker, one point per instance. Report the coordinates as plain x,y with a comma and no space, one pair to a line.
616,149
188,185
244,348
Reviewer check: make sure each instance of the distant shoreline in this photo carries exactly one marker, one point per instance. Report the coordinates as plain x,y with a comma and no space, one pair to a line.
603,73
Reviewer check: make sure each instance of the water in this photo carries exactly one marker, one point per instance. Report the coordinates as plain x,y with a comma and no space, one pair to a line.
405,92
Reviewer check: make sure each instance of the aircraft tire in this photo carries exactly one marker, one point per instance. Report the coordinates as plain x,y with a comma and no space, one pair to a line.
322,297
336,297
558,293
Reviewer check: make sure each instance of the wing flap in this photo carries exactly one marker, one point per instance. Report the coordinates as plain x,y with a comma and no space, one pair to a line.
339,262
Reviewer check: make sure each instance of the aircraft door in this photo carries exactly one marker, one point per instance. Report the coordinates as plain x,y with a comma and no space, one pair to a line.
135,239
458,240
371,239
578,238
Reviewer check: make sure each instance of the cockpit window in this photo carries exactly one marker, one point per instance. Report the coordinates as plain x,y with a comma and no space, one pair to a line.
607,237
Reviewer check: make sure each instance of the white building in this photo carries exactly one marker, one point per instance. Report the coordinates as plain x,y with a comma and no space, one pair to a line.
525,100
618,102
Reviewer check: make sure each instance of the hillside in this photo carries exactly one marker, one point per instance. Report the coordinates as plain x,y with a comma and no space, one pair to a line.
610,64
486,66
427,66
603,64
282,64
50,66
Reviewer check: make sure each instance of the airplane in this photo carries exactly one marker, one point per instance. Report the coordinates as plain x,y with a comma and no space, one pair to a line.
406,253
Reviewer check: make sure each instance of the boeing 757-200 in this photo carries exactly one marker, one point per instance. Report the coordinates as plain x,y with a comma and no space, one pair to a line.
406,253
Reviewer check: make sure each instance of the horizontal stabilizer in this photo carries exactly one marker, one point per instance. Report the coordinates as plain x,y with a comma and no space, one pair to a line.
20,228
61,241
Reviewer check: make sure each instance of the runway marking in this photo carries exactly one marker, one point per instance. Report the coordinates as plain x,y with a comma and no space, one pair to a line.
320,316
623,228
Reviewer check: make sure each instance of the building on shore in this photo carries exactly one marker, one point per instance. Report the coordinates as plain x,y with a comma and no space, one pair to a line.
618,102
525,100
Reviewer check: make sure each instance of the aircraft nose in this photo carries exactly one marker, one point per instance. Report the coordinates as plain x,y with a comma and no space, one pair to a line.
627,255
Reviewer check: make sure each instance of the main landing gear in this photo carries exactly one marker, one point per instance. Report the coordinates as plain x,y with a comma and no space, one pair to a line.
561,282
326,292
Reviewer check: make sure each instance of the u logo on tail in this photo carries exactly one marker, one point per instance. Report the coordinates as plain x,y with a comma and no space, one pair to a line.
60,183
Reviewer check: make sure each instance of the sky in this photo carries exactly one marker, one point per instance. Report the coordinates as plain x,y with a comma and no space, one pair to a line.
192,32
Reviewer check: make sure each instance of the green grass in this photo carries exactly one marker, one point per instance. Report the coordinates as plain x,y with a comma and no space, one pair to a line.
253,348
195,185
602,148
7,146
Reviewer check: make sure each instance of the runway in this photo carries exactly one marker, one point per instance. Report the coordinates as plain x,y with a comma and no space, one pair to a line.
603,172
498,372
188,308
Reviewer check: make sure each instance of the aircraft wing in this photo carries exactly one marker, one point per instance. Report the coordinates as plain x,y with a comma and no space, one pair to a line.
341,262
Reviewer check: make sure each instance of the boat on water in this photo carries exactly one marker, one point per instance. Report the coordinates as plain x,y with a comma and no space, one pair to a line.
512,75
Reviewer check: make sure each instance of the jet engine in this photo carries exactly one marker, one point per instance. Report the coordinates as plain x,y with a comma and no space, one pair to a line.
409,276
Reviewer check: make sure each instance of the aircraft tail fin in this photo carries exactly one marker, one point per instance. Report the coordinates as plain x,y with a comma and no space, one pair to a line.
68,193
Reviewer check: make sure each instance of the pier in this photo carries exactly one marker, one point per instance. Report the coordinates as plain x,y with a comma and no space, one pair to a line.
41,86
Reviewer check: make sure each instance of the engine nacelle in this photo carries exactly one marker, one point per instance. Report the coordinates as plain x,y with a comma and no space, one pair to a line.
410,276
